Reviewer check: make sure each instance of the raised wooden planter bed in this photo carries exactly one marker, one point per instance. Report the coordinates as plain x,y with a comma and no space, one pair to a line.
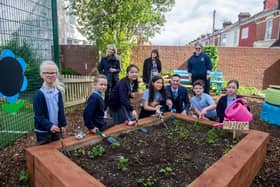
47,166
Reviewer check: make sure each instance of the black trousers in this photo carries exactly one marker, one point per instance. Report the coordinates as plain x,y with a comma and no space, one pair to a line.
44,138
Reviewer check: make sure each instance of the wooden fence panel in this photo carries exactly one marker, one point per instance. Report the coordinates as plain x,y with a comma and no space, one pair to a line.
77,89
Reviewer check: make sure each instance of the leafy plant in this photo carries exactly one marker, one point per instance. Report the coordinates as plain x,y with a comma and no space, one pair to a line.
79,152
183,133
211,136
221,132
165,170
69,71
212,52
23,177
146,182
122,163
227,149
96,151
116,145
197,126
176,123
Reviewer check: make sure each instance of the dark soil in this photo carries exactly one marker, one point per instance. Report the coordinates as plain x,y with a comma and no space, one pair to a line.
180,152
12,159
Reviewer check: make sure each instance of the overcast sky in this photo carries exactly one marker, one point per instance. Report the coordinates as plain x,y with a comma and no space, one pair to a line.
189,19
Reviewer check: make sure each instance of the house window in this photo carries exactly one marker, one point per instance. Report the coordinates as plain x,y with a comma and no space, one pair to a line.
244,33
268,29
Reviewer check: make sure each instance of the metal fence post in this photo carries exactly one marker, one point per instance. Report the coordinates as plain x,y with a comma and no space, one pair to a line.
55,33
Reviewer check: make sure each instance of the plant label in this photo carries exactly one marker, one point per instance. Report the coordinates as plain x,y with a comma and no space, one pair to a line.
235,125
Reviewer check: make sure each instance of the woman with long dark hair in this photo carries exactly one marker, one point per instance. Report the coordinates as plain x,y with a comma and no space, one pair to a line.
152,67
153,97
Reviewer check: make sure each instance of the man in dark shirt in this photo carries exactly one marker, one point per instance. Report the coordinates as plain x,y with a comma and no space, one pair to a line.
178,96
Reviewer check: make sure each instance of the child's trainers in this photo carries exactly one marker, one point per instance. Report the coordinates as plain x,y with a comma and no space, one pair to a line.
105,114
130,123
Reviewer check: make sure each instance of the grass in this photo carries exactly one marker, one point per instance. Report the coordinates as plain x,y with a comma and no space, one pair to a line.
23,120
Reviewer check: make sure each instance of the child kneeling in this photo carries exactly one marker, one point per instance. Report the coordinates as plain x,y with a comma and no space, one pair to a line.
203,104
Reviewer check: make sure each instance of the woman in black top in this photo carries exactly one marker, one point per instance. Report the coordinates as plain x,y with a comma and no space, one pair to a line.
110,66
152,67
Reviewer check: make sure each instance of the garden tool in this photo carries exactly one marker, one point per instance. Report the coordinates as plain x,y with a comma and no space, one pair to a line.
162,120
109,139
63,149
142,129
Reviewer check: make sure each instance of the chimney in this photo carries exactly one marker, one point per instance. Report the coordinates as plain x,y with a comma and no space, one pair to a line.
227,23
243,15
268,4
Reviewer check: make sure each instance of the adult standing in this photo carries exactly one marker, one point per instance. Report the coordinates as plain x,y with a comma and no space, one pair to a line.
110,66
178,97
200,66
152,67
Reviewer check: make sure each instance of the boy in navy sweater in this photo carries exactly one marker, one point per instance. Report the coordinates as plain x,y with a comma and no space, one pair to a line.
94,111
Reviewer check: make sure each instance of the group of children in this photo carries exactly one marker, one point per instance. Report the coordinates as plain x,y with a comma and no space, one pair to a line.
50,119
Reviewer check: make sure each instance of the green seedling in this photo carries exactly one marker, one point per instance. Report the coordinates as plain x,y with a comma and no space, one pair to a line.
166,170
96,151
23,177
116,145
146,182
122,163
176,123
79,152
183,133
227,149
211,136
197,126
221,132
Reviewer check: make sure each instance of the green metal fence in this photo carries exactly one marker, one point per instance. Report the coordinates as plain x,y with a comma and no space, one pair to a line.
26,28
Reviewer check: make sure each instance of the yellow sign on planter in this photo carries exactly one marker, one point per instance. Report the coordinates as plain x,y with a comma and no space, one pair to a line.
235,125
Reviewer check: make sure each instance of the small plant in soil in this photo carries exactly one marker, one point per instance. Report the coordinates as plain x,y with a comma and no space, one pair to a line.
211,136
165,170
79,152
197,126
122,163
96,151
227,149
221,132
176,123
115,145
183,133
23,178
146,182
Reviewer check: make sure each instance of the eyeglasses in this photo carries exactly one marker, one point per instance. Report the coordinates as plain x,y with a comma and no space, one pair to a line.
197,48
49,73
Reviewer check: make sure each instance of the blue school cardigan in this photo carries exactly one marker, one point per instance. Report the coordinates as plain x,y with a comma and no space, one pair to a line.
41,119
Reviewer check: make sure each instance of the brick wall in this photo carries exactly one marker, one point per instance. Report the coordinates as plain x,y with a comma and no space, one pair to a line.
76,56
256,67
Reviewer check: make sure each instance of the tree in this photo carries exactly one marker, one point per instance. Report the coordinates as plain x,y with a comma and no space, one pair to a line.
122,22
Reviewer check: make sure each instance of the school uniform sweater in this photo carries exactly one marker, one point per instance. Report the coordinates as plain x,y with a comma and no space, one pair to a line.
121,93
94,111
41,118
